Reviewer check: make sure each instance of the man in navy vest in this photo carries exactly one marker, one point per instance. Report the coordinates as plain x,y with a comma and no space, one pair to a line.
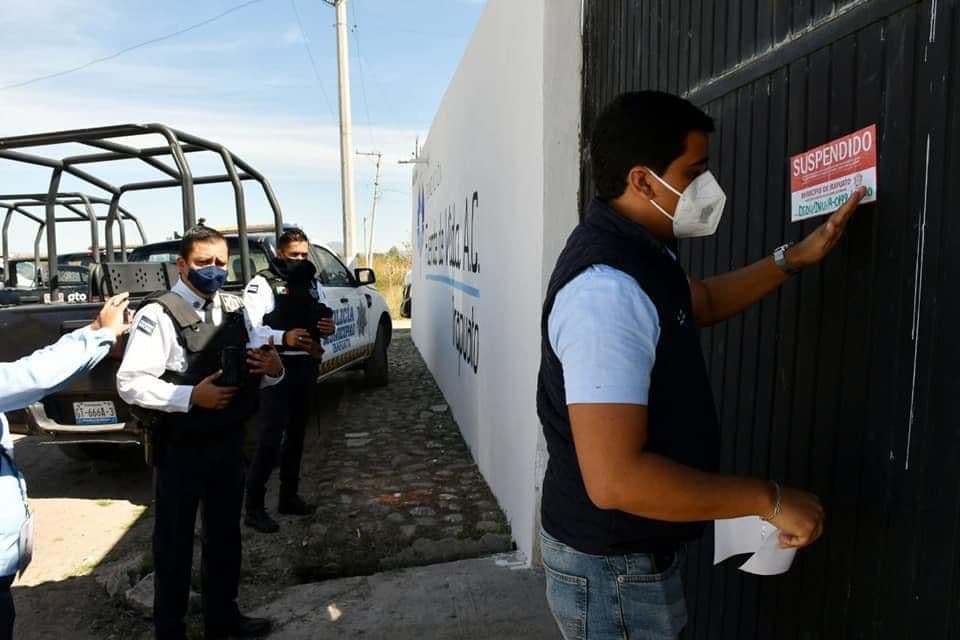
623,394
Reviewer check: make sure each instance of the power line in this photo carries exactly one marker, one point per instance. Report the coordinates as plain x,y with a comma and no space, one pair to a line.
313,62
363,84
145,43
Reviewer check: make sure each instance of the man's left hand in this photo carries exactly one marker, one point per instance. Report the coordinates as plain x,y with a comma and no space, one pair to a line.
326,327
113,315
265,360
818,244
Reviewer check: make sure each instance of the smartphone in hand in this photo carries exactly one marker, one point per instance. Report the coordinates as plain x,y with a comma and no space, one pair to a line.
231,362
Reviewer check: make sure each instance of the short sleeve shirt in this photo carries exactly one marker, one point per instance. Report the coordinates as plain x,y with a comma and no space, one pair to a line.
604,329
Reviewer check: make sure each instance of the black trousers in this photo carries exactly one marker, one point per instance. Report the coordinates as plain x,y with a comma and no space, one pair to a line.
202,473
286,410
7,612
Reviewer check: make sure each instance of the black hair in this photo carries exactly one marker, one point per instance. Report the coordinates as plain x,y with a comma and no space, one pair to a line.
195,234
646,128
290,236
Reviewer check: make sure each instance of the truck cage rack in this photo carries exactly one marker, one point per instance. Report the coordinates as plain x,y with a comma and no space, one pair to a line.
178,145
22,203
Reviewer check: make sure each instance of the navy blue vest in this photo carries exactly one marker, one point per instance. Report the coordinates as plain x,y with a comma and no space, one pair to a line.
682,419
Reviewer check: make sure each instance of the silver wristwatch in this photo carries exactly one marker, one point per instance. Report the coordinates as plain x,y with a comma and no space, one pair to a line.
780,258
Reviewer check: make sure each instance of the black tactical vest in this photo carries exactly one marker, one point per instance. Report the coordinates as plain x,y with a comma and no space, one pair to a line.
682,419
295,306
203,344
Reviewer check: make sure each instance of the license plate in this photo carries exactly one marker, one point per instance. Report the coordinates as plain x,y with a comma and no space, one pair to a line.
94,412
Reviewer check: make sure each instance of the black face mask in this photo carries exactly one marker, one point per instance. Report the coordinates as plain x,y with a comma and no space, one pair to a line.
296,271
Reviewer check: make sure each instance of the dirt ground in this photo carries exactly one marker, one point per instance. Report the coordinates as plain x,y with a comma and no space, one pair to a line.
82,511
395,482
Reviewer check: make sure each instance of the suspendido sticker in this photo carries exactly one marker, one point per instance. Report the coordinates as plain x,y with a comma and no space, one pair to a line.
824,177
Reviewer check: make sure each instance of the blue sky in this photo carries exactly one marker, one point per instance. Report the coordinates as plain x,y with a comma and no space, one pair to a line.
245,80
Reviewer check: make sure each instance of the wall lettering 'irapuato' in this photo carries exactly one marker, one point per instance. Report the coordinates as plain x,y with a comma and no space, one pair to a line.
466,337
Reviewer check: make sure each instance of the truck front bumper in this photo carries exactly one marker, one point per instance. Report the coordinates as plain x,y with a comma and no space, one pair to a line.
114,433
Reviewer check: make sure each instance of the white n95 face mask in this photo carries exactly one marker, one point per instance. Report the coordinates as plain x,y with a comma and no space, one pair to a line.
699,209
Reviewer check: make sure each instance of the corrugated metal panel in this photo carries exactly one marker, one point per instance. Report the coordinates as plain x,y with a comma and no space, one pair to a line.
825,383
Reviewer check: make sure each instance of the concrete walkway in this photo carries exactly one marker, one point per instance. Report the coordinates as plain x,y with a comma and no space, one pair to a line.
482,598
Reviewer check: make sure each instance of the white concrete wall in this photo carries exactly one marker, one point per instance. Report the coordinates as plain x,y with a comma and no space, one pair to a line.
493,203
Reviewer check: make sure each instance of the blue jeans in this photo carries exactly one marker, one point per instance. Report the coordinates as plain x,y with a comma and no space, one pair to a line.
606,597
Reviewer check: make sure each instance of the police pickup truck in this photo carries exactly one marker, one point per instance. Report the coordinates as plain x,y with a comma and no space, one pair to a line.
88,417
364,327
91,412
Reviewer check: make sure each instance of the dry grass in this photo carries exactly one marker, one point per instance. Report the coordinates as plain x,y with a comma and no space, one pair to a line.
390,269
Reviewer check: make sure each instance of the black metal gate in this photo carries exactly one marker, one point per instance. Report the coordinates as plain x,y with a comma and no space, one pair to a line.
845,382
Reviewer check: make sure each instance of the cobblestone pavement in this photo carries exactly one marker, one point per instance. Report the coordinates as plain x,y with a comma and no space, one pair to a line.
395,482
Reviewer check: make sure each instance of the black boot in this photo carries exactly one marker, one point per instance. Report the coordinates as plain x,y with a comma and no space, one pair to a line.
261,521
256,516
295,506
240,627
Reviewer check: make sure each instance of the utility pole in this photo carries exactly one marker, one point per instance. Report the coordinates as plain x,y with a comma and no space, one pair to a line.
376,196
363,232
346,130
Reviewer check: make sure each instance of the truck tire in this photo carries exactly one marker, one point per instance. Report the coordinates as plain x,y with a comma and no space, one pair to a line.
377,368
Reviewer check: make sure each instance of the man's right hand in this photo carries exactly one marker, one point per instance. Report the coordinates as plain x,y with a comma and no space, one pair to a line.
298,339
209,396
800,520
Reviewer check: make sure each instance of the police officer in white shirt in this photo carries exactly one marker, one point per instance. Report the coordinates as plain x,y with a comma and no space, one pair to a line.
284,302
190,373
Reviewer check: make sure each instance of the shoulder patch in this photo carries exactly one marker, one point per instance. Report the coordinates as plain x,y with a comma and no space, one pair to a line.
253,287
146,325
230,302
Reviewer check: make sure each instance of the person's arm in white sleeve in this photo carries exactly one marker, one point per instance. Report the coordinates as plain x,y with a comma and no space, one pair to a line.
152,337
257,302
258,363
269,381
254,316
51,368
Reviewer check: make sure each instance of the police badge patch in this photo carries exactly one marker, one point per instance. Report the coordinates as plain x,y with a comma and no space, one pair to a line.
146,325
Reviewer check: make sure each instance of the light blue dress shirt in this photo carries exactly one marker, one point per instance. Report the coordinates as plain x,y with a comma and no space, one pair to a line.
24,382
605,330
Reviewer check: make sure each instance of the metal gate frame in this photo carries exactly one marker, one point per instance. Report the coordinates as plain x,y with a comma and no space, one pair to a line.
889,565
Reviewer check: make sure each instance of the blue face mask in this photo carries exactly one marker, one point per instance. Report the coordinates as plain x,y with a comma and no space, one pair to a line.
207,280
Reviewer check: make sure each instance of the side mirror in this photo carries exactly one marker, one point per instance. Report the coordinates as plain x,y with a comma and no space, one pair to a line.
365,276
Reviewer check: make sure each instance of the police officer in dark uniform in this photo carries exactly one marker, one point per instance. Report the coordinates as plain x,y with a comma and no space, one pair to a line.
285,303
191,376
